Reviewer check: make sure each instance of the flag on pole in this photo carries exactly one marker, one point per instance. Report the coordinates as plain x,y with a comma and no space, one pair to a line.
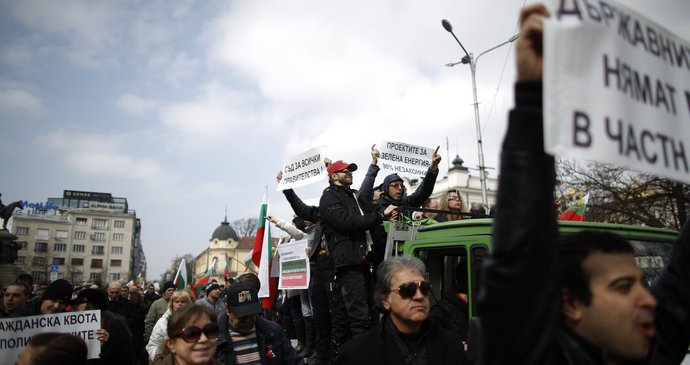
575,212
181,276
199,286
226,272
262,254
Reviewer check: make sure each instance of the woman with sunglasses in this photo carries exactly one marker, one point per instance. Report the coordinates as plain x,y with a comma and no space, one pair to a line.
405,335
191,338
451,201
179,299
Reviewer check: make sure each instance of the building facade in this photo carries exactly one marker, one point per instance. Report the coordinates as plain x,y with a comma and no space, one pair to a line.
84,237
224,246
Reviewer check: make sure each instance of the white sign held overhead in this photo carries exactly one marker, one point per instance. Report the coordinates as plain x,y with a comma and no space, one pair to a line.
616,89
304,169
404,158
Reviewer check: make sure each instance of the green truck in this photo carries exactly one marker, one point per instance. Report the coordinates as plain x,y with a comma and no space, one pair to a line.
466,243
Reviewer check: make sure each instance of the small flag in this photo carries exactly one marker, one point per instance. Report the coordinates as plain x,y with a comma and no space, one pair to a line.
181,276
262,255
575,212
201,283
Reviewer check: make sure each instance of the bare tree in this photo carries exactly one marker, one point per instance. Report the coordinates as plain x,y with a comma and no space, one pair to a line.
618,195
245,227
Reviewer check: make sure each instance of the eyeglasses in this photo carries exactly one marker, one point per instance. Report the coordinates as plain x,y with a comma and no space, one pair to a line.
397,185
408,290
192,334
453,197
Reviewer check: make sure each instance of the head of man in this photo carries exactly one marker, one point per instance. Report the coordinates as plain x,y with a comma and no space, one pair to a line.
56,297
394,187
340,173
16,295
212,290
605,294
150,289
402,292
91,299
243,307
168,289
114,290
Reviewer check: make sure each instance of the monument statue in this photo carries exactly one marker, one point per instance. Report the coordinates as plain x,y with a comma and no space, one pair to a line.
7,210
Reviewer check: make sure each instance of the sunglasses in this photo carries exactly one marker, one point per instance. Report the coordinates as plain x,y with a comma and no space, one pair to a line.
396,185
345,171
408,290
453,197
192,334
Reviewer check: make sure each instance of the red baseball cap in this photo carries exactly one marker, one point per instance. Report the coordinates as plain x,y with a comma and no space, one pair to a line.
340,165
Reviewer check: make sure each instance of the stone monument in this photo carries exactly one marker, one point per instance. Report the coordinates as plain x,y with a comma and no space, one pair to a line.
8,256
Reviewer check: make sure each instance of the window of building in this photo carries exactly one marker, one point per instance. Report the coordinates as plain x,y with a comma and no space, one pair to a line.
79,235
77,262
114,277
60,247
42,234
94,276
96,263
116,249
98,236
22,231
77,248
81,221
100,224
58,261
61,235
116,263
39,276
118,236
39,261
119,224
21,260
97,250
40,247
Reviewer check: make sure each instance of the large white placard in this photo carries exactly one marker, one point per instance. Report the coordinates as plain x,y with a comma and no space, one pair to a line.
294,265
16,332
616,89
404,158
304,169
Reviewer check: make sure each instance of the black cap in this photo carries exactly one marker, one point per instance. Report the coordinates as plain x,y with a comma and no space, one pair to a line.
210,286
168,285
243,300
59,289
93,296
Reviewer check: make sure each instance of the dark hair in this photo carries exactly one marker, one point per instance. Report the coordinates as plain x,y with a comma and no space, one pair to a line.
26,278
385,272
58,349
25,287
574,250
136,298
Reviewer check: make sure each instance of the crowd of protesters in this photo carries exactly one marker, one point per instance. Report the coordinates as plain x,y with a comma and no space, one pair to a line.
586,302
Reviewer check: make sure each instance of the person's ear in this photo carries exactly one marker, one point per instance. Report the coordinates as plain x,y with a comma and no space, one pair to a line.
572,307
386,303
169,344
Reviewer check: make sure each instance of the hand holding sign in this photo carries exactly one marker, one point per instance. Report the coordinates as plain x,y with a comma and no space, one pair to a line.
530,44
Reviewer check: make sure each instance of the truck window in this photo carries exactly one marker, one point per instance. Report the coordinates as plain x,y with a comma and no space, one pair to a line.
479,252
651,256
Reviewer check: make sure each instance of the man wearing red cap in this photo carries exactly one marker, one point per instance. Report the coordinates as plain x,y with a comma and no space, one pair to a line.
348,222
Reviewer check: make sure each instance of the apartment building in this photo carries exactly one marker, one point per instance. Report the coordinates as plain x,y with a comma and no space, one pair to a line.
83,237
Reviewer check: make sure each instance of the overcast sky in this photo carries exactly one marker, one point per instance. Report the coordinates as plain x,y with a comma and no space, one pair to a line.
186,107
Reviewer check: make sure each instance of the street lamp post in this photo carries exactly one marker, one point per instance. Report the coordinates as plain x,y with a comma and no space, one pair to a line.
469,58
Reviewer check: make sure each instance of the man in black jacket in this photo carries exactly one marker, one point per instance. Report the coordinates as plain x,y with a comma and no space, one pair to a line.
585,302
404,335
348,221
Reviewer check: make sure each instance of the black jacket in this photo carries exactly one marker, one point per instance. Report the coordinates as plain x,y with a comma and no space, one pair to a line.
316,236
382,345
529,330
344,225
269,336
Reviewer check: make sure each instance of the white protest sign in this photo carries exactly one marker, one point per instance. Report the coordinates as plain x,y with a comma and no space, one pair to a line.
294,265
16,332
304,169
616,89
404,158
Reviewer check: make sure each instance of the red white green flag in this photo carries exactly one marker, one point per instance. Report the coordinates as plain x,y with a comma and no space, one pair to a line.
201,283
575,212
262,255
226,272
181,276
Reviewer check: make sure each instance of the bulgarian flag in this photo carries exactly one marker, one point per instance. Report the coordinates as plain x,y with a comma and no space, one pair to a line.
199,286
226,272
262,254
181,276
575,212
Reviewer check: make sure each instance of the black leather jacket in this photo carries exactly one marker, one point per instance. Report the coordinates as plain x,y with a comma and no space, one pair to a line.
519,303
344,225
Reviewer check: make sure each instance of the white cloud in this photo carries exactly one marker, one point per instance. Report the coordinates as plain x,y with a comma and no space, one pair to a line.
134,104
21,102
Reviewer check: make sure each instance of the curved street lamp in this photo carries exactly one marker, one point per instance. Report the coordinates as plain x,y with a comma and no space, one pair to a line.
469,58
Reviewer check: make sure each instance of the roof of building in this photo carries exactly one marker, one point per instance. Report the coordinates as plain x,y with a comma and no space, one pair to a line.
224,232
